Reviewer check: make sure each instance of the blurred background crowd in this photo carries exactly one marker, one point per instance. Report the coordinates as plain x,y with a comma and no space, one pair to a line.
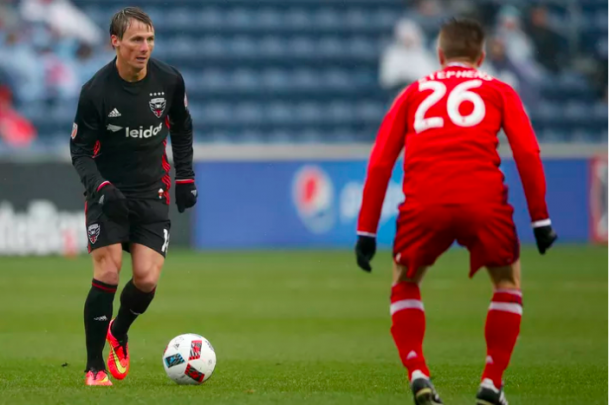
302,71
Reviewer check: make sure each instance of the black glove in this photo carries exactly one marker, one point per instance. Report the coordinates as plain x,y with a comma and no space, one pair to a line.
365,250
113,202
545,237
186,194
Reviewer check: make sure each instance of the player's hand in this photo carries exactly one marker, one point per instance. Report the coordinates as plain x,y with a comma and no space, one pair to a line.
186,194
113,202
545,237
365,250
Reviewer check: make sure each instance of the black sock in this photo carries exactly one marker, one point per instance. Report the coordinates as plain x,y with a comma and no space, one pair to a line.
98,312
134,302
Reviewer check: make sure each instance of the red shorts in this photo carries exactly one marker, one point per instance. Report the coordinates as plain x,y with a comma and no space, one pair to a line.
424,232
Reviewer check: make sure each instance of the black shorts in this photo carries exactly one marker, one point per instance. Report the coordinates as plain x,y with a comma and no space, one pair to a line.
148,225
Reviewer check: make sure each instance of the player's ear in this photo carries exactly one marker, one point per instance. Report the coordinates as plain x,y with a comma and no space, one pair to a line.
441,56
481,59
114,40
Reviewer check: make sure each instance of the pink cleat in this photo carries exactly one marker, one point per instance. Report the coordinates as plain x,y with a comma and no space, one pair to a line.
97,378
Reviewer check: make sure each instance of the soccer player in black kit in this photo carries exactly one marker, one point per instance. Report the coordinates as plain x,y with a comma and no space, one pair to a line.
125,113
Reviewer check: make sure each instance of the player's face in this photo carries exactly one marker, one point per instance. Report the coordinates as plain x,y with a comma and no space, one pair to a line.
137,44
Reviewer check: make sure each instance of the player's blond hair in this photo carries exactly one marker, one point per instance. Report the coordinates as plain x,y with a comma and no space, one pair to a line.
120,21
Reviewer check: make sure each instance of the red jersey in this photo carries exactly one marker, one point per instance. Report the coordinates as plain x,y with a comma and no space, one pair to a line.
447,123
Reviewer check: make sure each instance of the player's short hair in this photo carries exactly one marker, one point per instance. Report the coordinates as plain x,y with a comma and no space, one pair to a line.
120,21
462,38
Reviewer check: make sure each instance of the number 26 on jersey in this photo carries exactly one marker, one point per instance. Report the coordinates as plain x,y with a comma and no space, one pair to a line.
457,96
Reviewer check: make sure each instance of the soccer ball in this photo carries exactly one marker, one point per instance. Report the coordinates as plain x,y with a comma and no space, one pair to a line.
189,359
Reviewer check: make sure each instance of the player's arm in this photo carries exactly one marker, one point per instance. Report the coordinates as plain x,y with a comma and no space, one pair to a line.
181,133
388,145
526,153
86,132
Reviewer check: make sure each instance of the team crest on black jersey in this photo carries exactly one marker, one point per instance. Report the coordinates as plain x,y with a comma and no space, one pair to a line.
93,231
157,104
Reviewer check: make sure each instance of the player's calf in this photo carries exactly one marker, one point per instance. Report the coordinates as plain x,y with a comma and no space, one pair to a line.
140,290
503,322
136,296
134,302
99,303
408,321
97,314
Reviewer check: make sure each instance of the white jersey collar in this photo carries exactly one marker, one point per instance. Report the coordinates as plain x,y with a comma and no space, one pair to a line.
458,64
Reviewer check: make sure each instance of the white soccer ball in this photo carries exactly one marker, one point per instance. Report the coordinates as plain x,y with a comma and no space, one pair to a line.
189,359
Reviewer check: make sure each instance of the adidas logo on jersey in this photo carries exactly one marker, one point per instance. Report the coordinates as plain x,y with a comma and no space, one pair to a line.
114,113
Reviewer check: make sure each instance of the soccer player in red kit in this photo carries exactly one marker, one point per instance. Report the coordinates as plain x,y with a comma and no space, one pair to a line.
447,125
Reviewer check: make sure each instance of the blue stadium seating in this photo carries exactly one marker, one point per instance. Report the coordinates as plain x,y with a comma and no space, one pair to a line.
307,70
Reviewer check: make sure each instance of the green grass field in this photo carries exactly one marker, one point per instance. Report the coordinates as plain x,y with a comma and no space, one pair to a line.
307,327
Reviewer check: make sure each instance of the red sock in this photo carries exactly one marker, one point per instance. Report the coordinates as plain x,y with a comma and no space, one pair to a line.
409,326
501,332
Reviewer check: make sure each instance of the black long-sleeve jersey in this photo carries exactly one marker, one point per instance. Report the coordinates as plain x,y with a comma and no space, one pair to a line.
120,132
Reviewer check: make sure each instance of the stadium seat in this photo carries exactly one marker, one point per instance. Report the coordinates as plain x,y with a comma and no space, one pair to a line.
210,17
578,111
209,46
297,18
239,18
584,136
327,18
278,113
242,46
269,18
178,17
309,112
271,47
340,112
330,46
275,78
301,46
356,18
244,79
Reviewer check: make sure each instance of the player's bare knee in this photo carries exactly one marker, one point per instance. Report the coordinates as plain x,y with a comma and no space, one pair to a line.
506,277
107,264
146,282
401,274
146,275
